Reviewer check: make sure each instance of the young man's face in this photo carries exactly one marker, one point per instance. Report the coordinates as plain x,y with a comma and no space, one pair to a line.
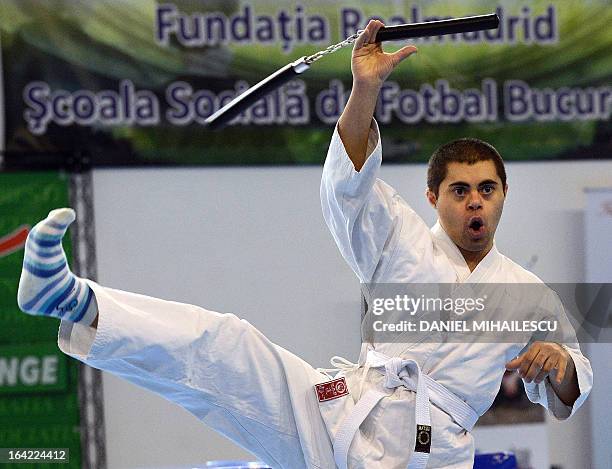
469,203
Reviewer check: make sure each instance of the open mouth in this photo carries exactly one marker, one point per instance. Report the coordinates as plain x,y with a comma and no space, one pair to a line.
476,225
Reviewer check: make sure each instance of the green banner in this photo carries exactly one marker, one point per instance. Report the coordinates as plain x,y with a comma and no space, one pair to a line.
132,82
32,368
38,384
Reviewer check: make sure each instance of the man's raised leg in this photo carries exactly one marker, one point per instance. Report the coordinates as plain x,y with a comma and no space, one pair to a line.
47,287
218,367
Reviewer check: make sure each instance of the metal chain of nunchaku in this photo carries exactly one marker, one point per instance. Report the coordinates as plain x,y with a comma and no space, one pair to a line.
333,48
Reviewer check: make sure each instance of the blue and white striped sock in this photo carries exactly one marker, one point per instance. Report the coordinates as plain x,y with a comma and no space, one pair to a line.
47,287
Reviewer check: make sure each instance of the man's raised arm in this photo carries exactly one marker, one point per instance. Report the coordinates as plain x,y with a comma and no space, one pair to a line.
361,218
370,66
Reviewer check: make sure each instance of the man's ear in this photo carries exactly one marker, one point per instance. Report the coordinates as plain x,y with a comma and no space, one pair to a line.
506,190
433,200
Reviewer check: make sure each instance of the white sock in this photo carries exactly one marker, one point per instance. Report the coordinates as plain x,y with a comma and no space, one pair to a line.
47,287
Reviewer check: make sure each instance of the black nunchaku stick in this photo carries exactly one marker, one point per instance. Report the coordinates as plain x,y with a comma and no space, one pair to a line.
388,33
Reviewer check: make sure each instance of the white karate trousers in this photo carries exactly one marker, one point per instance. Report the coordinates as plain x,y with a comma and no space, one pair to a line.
231,377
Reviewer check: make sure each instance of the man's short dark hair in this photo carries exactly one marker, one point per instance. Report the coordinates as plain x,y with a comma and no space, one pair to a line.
463,150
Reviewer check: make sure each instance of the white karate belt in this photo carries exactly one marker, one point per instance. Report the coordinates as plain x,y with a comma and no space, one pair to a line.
400,372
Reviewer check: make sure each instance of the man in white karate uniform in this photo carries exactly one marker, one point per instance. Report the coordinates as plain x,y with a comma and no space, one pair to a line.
397,407
385,242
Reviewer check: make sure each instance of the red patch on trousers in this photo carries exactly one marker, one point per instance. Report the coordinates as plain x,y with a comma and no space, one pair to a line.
331,390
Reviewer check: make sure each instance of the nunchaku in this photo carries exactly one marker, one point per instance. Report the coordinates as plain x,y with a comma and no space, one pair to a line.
388,33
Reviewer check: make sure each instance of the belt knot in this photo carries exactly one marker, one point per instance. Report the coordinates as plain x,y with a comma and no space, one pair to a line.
398,373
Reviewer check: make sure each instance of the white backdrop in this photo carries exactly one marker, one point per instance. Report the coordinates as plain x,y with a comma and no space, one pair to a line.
252,241
599,269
